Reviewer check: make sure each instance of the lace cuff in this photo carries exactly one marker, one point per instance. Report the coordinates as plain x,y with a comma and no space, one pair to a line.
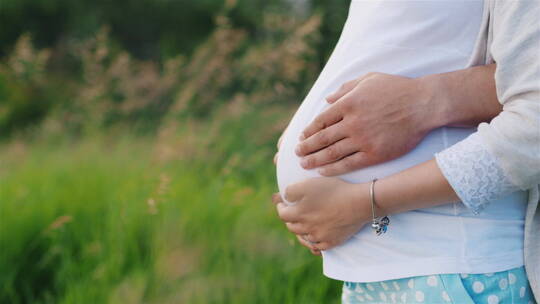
474,173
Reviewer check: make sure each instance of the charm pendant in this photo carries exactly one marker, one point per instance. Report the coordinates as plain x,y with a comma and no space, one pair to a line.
380,225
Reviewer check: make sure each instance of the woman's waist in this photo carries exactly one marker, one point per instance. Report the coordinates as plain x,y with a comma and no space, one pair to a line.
421,249
419,234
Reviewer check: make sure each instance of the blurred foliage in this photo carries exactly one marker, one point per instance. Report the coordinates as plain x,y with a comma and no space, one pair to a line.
146,28
176,217
78,65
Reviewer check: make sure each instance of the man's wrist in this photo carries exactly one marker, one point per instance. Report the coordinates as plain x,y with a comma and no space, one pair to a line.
463,98
435,100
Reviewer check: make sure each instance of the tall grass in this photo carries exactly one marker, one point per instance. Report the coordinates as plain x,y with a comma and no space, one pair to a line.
115,222
149,182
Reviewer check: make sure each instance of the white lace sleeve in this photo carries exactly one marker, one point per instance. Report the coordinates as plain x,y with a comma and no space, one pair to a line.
474,173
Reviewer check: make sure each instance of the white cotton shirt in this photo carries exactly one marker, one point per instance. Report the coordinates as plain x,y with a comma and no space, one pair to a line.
410,38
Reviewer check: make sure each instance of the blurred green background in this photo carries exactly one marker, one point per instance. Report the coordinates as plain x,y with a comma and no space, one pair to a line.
136,145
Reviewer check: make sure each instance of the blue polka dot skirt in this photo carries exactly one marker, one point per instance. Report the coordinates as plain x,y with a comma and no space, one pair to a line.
509,286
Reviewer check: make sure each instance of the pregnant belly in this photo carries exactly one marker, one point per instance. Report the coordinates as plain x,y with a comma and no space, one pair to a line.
354,57
289,170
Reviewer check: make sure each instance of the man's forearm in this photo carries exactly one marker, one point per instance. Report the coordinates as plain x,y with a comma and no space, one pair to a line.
384,116
463,98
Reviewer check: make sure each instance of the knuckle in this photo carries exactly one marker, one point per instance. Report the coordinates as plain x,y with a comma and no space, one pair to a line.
323,138
356,163
332,153
357,160
319,123
347,105
308,131
354,122
349,162
311,162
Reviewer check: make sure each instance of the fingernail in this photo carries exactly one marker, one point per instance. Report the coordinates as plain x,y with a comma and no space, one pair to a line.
321,171
303,162
297,150
302,136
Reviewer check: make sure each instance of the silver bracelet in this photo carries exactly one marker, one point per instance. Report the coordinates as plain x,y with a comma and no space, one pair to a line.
378,224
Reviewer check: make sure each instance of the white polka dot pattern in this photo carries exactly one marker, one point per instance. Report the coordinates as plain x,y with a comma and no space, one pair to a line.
445,296
370,287
393,297
493,299
478,287
503,283
419,296
493,288
432,281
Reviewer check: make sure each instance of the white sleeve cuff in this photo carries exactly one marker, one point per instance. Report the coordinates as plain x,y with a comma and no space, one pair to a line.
474,173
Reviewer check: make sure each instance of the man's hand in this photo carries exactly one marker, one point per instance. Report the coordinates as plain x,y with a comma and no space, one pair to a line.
327,211
379,117
372,119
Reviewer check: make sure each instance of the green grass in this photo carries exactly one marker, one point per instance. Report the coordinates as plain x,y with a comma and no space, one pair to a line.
107,221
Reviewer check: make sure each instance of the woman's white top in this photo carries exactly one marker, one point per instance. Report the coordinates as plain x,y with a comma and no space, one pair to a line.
412,38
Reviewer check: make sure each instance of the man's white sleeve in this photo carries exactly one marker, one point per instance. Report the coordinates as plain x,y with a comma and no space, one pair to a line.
504,155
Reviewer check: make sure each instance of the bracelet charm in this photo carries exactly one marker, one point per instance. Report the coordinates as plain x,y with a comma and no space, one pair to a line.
378,224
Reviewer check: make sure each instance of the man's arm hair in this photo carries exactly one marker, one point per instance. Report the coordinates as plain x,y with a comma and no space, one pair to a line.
464,98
